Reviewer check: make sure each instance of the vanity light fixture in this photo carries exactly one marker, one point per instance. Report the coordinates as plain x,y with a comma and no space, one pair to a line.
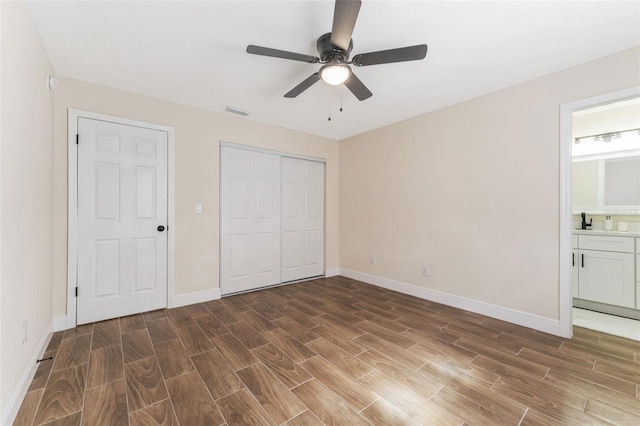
605,137
610,137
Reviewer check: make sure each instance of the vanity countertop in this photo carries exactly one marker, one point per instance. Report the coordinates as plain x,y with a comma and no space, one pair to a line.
603,232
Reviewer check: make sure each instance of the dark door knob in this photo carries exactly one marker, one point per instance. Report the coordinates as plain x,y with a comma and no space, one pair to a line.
160,228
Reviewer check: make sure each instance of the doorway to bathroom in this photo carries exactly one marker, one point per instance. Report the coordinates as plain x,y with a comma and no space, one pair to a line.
600,214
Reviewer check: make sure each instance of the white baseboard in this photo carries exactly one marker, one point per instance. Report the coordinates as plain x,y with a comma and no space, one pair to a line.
197,297
331,272
524,319
63,323
10,411
60,323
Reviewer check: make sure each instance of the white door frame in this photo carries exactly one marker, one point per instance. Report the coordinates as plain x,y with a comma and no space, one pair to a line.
72,204
272,151
566,207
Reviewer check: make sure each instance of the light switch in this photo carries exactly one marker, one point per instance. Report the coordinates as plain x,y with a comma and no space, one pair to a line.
198,208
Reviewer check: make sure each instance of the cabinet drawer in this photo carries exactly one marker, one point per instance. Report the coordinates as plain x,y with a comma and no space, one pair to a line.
638,250
599,242
574,241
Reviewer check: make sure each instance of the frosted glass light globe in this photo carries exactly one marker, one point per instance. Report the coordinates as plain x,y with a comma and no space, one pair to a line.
335,73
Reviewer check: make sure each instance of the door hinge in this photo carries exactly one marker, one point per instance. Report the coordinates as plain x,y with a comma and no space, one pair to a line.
76,291
77,138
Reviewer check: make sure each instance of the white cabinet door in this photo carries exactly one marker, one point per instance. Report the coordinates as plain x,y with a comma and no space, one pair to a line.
302,219
607,277
122,199
249,220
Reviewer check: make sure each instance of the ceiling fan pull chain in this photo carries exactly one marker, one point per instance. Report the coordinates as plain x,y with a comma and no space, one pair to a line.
329,119
340,100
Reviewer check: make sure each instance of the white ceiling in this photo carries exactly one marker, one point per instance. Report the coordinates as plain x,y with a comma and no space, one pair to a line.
194,52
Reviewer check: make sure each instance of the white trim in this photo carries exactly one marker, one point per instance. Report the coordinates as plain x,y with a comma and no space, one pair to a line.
331,272
72,207
271,151
72,216
524,319
10,410
566,138
60,323
197,297
170,217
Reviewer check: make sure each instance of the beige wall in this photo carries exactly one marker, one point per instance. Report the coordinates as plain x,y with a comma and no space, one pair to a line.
197,135
472,190
27,195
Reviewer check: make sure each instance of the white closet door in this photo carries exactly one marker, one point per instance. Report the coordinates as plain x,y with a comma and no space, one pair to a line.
122,215
250,220
302,219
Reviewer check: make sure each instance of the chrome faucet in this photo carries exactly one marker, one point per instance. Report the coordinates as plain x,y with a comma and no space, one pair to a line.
584,224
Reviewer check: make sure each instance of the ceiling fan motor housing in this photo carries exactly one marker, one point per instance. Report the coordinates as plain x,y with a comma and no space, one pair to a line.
329,52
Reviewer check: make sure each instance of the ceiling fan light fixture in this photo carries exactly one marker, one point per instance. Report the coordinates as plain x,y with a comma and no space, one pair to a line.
335,73
334,49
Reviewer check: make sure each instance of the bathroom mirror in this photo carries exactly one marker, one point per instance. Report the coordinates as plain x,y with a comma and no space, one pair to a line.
606,159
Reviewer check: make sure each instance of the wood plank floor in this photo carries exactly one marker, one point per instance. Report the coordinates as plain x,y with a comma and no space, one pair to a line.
331,351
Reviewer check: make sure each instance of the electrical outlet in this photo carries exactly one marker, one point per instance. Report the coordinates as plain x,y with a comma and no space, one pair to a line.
25,329
372,260
197,273
426,270
198,209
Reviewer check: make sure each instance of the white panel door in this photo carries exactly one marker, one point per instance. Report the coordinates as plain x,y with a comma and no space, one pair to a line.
249,220
122,213
302,219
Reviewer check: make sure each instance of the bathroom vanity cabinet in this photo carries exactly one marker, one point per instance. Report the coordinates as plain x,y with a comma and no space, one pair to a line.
604,272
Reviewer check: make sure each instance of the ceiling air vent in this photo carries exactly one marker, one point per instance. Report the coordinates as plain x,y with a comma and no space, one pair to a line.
236,110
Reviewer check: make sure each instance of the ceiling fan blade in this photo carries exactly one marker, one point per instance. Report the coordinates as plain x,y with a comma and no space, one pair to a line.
283,54
303,86
354,84
344,20
402,54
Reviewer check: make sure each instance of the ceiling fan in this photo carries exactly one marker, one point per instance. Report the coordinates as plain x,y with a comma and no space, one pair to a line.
334,49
